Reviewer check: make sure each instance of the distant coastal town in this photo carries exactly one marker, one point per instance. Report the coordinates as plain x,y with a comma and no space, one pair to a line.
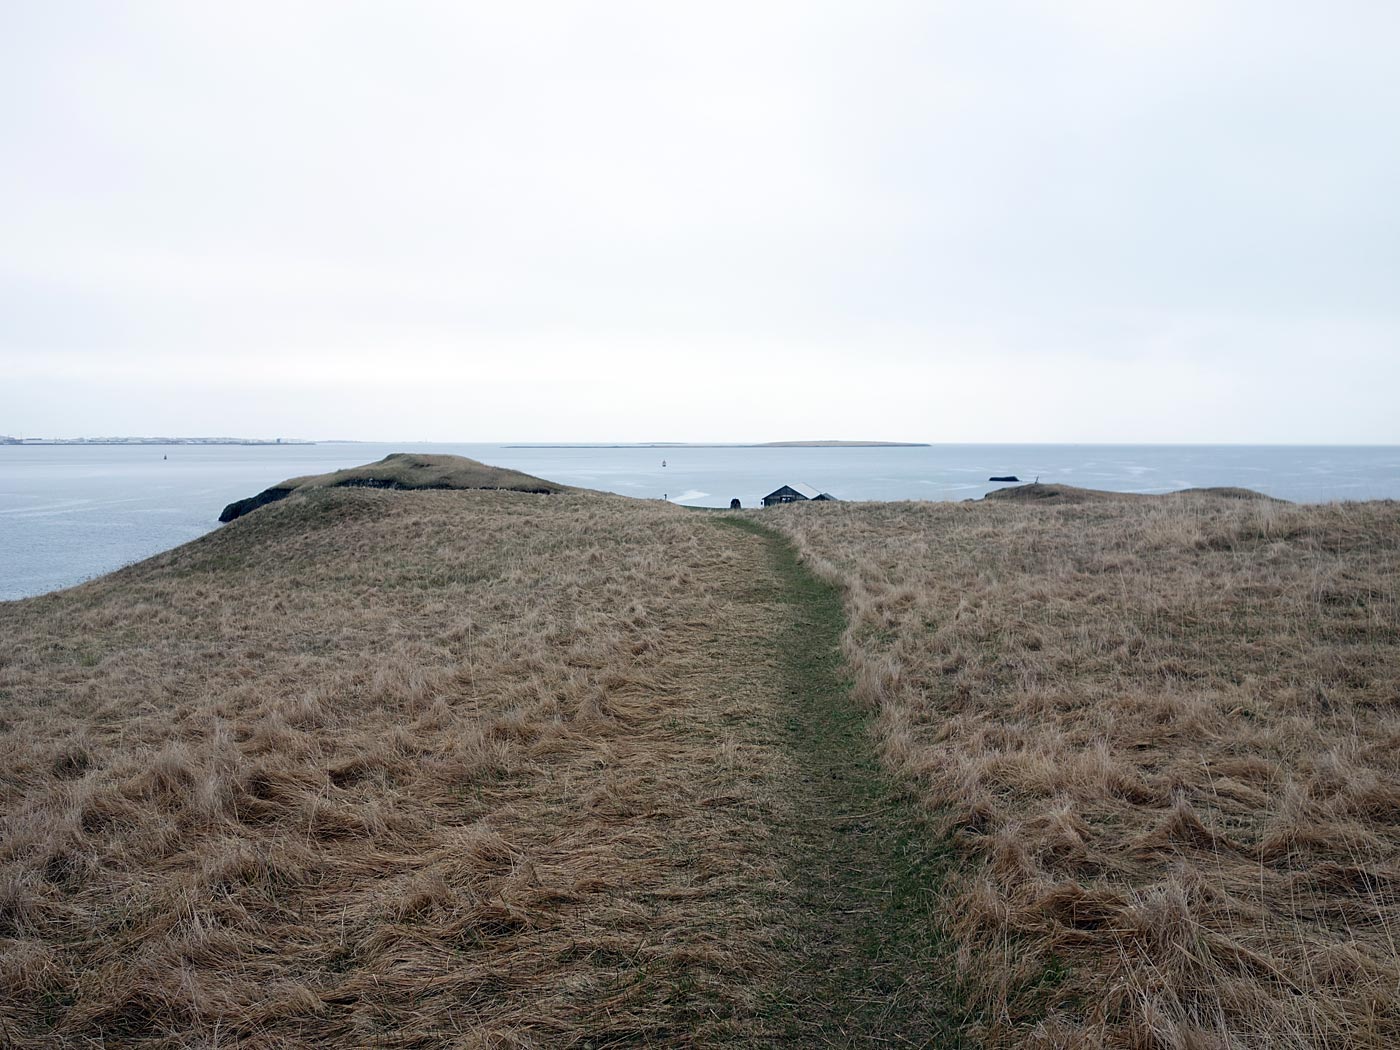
6,440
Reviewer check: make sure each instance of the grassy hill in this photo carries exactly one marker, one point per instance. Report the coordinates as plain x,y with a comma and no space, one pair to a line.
465,766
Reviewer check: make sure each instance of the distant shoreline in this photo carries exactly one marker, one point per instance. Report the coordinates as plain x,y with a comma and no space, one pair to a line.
153,441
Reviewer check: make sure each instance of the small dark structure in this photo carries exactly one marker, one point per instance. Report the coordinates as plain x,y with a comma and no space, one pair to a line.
796,494
734,504
1009,477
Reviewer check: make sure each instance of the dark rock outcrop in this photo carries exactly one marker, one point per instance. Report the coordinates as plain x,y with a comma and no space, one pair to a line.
241,507
1009,477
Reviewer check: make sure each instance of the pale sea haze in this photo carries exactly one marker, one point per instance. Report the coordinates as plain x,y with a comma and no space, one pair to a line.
71,512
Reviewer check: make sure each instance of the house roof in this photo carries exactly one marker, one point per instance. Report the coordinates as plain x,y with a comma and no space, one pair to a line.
802,490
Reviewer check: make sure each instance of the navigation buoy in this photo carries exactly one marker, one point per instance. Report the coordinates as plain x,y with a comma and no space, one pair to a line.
663,462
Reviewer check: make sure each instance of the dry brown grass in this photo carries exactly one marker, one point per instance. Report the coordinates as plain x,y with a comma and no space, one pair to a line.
1168,732
494,769
392,769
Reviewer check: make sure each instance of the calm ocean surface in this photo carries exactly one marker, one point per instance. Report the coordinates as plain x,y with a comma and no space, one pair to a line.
70,512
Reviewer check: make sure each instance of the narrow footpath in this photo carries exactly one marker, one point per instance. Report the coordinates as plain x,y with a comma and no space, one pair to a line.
862,962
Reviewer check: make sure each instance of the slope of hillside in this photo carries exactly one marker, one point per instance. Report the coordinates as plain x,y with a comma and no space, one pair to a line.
448,768
365,768
1164,733
474,767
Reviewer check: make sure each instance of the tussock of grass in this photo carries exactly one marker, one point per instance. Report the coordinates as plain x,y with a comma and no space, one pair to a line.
364,770
1165,732
402,470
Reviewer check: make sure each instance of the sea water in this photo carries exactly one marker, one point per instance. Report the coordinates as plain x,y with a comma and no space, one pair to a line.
70,512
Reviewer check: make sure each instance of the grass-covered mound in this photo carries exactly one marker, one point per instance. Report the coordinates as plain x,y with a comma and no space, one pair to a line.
1036,492
402,470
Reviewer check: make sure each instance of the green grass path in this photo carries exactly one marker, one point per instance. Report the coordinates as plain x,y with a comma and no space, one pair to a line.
865,965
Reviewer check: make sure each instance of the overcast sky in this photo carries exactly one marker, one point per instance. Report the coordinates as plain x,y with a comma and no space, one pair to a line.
981,221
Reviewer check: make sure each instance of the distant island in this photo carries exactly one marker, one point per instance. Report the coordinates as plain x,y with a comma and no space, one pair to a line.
843,444
731,444
4,440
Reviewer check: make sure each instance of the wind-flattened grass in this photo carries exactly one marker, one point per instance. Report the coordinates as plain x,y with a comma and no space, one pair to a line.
385,768
1165,734
489,768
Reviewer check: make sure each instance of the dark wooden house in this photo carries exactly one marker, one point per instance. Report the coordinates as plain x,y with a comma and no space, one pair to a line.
795,494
